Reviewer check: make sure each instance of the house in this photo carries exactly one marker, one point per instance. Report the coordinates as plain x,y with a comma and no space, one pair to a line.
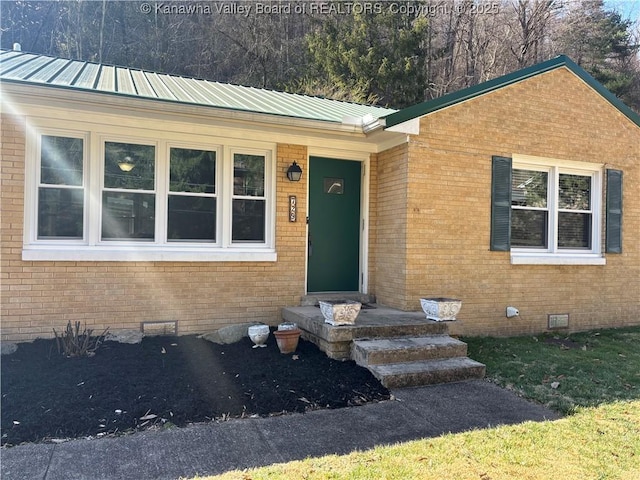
135,198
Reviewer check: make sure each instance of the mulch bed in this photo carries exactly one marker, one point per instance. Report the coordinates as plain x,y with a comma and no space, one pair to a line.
167,381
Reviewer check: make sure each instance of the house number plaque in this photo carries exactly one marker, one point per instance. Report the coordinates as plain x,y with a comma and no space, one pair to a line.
292,208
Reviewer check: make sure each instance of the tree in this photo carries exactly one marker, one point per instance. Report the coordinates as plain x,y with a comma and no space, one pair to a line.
601,42
357,51
371,55
532,18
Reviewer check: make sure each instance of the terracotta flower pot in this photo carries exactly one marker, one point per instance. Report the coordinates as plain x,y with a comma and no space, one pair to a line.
287,340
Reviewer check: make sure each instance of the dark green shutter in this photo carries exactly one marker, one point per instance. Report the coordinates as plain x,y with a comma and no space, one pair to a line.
614,212
501,204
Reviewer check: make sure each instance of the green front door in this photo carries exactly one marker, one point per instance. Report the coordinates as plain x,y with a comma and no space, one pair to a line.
334,225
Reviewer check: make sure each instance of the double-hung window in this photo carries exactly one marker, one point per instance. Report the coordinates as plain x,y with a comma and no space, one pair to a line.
548,211
552,209
107,197
61,188
249,199
192,203
129,192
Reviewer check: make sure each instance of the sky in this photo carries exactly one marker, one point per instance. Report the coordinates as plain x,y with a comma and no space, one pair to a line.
629,9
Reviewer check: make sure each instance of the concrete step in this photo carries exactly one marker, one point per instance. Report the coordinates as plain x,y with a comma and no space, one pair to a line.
376,322
379,351
427,372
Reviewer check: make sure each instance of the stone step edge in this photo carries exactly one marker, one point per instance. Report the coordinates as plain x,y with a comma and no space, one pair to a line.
364,341
311,299
427,372
427,347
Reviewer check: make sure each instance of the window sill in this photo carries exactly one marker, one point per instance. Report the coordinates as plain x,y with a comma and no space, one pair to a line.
147,254
557,259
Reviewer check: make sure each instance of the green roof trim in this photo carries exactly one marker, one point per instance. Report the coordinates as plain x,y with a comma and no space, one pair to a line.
453,98
43,70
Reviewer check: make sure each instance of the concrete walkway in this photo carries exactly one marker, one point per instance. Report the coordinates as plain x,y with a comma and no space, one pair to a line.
209,449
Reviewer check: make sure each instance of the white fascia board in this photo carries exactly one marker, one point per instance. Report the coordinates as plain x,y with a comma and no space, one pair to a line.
91,108
186,119
90,101
410,127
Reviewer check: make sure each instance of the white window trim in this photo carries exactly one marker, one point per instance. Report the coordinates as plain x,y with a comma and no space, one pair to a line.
95,228
269,193
554,255
32,183
91,248
150,254
168,193
522,258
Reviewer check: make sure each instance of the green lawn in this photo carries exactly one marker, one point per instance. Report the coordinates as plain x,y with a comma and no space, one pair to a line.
564,372
593,377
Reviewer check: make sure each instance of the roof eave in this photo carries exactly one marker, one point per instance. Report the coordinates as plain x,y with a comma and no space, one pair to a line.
71,95
453,98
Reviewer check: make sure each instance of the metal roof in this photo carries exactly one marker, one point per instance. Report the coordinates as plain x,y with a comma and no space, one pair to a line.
453,98
28,68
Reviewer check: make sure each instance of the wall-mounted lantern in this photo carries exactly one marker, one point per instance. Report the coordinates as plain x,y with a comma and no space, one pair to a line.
294,172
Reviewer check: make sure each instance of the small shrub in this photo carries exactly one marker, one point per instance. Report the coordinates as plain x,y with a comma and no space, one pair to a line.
75,343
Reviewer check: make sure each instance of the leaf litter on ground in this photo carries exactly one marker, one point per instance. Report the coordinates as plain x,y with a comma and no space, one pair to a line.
193,381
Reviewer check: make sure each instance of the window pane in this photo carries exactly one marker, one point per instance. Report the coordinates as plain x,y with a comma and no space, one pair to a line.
128,216
248,221
192,171
528,228
574,230
60,212
129,166
61,161
248,175
575,192
529,188
192,218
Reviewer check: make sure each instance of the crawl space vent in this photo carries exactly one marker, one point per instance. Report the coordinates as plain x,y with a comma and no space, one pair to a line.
159,328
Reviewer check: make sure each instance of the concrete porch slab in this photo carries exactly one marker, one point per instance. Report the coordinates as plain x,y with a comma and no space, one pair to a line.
376,322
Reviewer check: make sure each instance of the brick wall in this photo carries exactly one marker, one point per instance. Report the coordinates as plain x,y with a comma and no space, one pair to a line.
429,214
391,227
38,296
15,280
448,203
